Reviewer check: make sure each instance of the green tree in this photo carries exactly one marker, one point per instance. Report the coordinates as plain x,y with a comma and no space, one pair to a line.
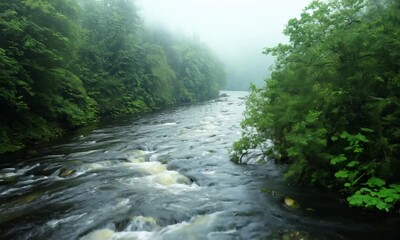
339,74
109,59
66,63
39,93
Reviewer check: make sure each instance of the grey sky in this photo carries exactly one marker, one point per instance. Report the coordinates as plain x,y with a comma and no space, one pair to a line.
237,30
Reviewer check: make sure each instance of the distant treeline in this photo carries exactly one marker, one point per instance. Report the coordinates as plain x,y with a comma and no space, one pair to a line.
65,63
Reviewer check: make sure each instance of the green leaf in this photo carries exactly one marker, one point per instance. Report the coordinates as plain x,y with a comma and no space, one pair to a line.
363,190
375,182
395,187
355,200
344,135
382,206
389,199
353,163
367,130
384,192
361,138
338,159
342,174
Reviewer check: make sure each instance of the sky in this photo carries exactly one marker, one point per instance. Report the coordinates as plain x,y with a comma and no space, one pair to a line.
236,30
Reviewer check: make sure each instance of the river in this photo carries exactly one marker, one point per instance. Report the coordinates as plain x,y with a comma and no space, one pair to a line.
165,175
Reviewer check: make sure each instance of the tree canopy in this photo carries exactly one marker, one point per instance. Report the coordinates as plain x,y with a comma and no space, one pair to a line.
331,107
65,63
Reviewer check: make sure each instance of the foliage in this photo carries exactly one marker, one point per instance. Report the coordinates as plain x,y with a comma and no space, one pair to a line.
65,63
374,192
39,93
383,198
331,106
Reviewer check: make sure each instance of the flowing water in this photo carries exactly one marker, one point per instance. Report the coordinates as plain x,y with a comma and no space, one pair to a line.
165,175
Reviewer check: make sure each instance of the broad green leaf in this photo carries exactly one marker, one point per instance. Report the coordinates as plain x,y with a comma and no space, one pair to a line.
375,182
338,159
382,206
355,200
342,174
353,163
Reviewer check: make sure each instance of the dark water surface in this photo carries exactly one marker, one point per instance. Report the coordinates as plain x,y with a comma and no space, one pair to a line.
165,175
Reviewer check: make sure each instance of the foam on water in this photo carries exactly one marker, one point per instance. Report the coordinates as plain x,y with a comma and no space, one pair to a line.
146,228
107,234
208,172
148,167
102,234
54,223
194,229
137,155
167,178
169,124
141,223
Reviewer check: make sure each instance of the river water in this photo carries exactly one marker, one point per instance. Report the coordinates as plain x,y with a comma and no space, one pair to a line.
165,175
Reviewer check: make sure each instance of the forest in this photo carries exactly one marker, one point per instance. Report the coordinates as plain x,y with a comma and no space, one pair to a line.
67,63
331,108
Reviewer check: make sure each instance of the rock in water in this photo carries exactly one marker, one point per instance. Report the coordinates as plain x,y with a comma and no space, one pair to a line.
102,234
297,235
291,202
67,173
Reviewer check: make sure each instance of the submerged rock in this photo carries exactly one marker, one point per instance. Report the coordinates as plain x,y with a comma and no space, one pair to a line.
141,223
8,178
291,202
66,173
297,235
102,234
286,200
28,198
33,152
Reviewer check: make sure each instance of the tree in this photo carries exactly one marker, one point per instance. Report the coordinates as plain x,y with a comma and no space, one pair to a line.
65,64
37,87
331,105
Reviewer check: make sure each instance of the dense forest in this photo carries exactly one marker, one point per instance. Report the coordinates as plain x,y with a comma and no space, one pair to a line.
65,63
331,108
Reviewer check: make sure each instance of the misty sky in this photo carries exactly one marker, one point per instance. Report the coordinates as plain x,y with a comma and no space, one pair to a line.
237,30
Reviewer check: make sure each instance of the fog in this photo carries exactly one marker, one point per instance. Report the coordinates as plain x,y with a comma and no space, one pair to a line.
236,30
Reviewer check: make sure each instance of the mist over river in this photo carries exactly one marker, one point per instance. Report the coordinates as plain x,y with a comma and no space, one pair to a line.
165,175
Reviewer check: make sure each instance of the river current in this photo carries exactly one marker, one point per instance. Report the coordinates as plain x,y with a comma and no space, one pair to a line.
166,175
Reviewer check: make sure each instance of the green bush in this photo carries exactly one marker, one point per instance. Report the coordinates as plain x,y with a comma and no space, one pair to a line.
330,108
